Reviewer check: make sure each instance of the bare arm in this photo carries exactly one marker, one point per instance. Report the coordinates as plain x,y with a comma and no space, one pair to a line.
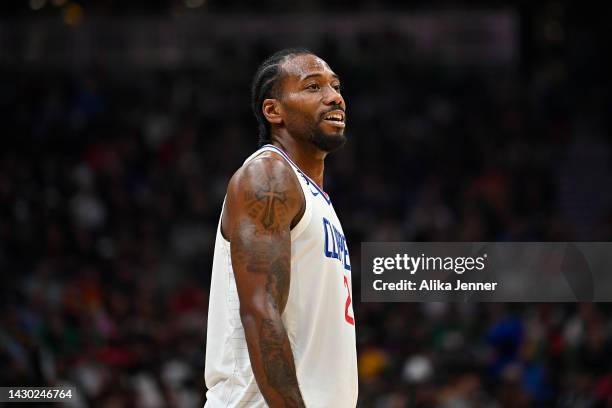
263,200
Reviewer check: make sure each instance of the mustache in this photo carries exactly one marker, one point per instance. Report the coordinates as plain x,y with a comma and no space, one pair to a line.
333,108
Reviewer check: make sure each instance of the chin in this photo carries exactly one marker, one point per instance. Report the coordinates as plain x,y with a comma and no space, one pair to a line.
328,142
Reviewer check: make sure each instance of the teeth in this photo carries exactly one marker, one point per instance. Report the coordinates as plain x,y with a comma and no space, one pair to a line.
334,117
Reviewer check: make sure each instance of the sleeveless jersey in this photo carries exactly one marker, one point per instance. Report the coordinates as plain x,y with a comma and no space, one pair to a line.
318,316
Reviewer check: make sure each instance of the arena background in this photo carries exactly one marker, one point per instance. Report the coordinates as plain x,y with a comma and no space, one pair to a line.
468,121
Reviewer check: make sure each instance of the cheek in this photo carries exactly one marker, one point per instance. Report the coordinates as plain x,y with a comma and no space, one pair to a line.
302,103
302,115
300,123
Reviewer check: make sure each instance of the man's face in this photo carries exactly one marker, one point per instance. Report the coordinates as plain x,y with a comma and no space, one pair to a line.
311,105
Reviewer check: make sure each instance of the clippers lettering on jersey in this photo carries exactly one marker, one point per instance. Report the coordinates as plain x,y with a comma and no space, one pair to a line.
335,244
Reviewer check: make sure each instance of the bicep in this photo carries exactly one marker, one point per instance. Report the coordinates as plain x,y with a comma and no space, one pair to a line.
264,200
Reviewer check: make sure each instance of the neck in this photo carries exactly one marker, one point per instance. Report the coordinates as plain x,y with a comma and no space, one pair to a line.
305,155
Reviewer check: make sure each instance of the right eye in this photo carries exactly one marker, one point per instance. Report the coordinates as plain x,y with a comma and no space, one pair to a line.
313,87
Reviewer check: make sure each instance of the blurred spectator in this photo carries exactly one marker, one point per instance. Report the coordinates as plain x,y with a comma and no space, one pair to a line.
111,184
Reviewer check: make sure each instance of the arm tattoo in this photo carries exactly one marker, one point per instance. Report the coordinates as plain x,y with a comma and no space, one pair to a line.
262,247
278,283
268,204
275,265
280,370
269,197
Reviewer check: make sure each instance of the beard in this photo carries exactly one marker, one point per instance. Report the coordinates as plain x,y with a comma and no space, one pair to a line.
325,142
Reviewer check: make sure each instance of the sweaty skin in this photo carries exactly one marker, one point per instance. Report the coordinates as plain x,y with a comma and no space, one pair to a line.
264,201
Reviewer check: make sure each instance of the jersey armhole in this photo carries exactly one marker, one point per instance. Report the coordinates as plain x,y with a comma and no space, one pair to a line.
306,216
299,227
219,227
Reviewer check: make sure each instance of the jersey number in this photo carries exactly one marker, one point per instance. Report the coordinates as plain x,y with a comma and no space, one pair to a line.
347,317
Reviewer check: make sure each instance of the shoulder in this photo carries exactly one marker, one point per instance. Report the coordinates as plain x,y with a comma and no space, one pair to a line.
266,170
266,189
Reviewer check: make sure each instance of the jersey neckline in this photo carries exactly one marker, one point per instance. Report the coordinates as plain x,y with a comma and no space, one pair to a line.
308,179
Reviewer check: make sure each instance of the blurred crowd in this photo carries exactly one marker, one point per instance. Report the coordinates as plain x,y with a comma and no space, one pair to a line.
138,7
111,183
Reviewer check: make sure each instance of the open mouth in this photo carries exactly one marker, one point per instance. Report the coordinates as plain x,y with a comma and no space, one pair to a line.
334,118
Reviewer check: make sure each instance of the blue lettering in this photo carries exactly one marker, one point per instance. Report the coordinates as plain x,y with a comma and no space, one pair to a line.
335,244
326,224
335,239
347,260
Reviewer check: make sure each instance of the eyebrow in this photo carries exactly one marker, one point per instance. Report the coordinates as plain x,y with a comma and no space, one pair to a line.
317,75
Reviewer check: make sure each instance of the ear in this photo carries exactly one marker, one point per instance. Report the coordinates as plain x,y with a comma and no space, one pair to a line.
272,111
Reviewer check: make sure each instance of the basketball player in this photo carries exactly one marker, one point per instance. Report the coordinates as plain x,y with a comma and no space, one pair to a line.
280,323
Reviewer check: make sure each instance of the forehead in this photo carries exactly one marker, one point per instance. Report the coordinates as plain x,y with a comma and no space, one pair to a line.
304,65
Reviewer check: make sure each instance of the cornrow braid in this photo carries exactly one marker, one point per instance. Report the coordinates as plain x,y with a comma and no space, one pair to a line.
264,86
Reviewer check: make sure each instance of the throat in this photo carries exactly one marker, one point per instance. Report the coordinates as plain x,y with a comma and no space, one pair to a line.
309,159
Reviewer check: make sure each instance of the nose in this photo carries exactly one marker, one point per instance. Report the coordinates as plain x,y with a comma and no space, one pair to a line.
333,97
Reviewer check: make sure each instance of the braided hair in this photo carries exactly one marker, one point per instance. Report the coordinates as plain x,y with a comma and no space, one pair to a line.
265,84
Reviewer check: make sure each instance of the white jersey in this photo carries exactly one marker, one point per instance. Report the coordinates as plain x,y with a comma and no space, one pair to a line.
318,316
